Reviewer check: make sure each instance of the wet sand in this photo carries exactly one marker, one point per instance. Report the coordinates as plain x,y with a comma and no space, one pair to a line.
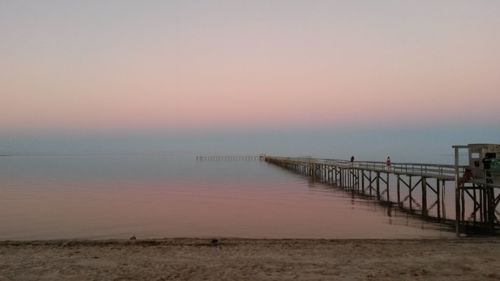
252,259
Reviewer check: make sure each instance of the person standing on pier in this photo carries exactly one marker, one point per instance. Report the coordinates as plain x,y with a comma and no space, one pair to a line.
352,159
388,163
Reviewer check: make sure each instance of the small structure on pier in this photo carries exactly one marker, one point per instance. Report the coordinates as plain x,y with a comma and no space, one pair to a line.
477,188
484,162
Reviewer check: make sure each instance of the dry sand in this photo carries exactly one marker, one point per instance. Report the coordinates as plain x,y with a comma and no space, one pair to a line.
246,259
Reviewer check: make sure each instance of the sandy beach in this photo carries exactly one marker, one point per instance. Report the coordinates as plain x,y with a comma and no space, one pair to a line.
251,259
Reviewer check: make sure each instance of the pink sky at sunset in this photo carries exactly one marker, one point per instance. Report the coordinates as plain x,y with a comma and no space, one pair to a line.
237,64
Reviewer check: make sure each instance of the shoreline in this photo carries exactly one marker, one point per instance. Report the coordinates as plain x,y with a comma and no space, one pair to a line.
233,240
252,259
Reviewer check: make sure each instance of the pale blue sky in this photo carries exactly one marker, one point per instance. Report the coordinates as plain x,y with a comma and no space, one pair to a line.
295,77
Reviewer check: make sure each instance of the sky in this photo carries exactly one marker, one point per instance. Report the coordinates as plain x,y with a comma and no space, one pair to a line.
197,67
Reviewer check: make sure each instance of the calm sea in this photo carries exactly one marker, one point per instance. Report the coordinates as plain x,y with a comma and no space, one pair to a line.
174,195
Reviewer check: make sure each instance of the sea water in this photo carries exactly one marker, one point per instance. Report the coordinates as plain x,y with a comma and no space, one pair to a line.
157,195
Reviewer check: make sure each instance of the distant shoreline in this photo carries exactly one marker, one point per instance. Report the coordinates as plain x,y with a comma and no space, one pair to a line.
252,259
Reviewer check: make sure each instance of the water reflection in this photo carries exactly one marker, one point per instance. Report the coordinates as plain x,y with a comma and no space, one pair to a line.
395,215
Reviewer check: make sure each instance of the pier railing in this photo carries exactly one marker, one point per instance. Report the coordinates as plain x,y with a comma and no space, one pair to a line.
441,171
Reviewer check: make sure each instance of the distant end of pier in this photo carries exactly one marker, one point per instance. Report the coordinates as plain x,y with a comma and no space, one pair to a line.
259,157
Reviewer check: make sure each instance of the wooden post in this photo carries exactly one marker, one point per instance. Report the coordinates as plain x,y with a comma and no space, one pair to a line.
370,185
457,194
424,196
410,187
438,191
358,182
399,190
378,185
363,181
481,195
341,177
387,188
474,204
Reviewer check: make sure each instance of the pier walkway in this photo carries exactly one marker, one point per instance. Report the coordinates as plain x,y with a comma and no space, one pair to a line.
417,188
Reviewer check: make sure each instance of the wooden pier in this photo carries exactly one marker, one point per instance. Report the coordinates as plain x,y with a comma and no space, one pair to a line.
419,189
229,157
